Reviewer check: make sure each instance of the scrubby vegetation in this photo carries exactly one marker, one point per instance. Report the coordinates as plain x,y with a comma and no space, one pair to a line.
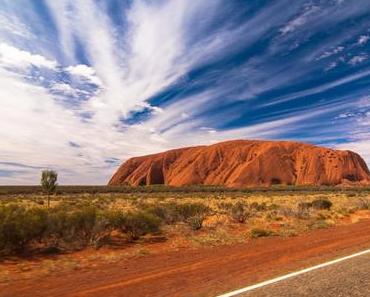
10,190
239,212
322,203
68,228
78,221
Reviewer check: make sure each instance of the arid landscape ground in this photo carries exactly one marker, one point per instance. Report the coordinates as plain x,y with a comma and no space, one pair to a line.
202,242
184,148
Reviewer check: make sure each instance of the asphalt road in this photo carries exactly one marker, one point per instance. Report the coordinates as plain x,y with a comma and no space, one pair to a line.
350,278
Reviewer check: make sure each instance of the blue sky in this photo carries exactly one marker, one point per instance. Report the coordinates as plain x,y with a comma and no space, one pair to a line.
87,84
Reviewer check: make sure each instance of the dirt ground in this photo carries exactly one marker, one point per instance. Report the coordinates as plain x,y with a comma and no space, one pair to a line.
203,271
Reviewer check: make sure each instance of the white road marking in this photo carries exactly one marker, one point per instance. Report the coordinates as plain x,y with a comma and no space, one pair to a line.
293,274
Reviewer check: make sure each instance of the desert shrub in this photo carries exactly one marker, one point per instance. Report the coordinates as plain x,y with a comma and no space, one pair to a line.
105,223
139,223
304,206
68,227
171,213
188,210
273,215
225,206
61,230
257,232
19,226
81,222
303,210
163,211
286,212
273,206
343,211
323,216
77,228
36,220
363,203
196,222
321,204
258,206
300,212
239,212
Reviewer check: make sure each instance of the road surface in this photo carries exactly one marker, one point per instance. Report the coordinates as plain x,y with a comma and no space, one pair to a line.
349,278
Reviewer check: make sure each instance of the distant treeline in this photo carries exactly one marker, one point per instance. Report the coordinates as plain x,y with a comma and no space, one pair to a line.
14,190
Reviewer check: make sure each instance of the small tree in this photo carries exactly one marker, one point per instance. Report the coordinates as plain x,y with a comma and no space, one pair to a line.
49,182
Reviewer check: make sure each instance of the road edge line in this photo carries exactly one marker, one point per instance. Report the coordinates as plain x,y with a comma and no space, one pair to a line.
293,274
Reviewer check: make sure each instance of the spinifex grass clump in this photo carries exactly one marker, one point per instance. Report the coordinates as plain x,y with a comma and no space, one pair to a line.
240,212
322,203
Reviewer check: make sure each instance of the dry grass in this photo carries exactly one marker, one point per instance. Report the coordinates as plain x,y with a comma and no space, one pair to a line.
277,213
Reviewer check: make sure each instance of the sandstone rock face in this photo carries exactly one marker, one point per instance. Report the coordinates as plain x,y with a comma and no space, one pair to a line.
244,163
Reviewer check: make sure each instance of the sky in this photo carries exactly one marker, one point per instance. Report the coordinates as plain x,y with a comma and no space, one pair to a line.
85,85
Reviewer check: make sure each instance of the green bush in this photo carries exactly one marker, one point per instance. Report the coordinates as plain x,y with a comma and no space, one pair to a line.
239,212
80,227
138,224
258,206
363,203
72,228
163,211
172,213
67,228
19,226
322,204
304,206
196,222
227,206
187,210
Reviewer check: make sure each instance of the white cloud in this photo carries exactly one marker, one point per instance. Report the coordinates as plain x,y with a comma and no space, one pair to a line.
300,20
330,53
331,66
12,56
363,39
358,59
86,72
64,88
345,115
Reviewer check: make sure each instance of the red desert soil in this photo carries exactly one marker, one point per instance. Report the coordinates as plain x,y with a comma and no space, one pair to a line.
202,272
242,163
